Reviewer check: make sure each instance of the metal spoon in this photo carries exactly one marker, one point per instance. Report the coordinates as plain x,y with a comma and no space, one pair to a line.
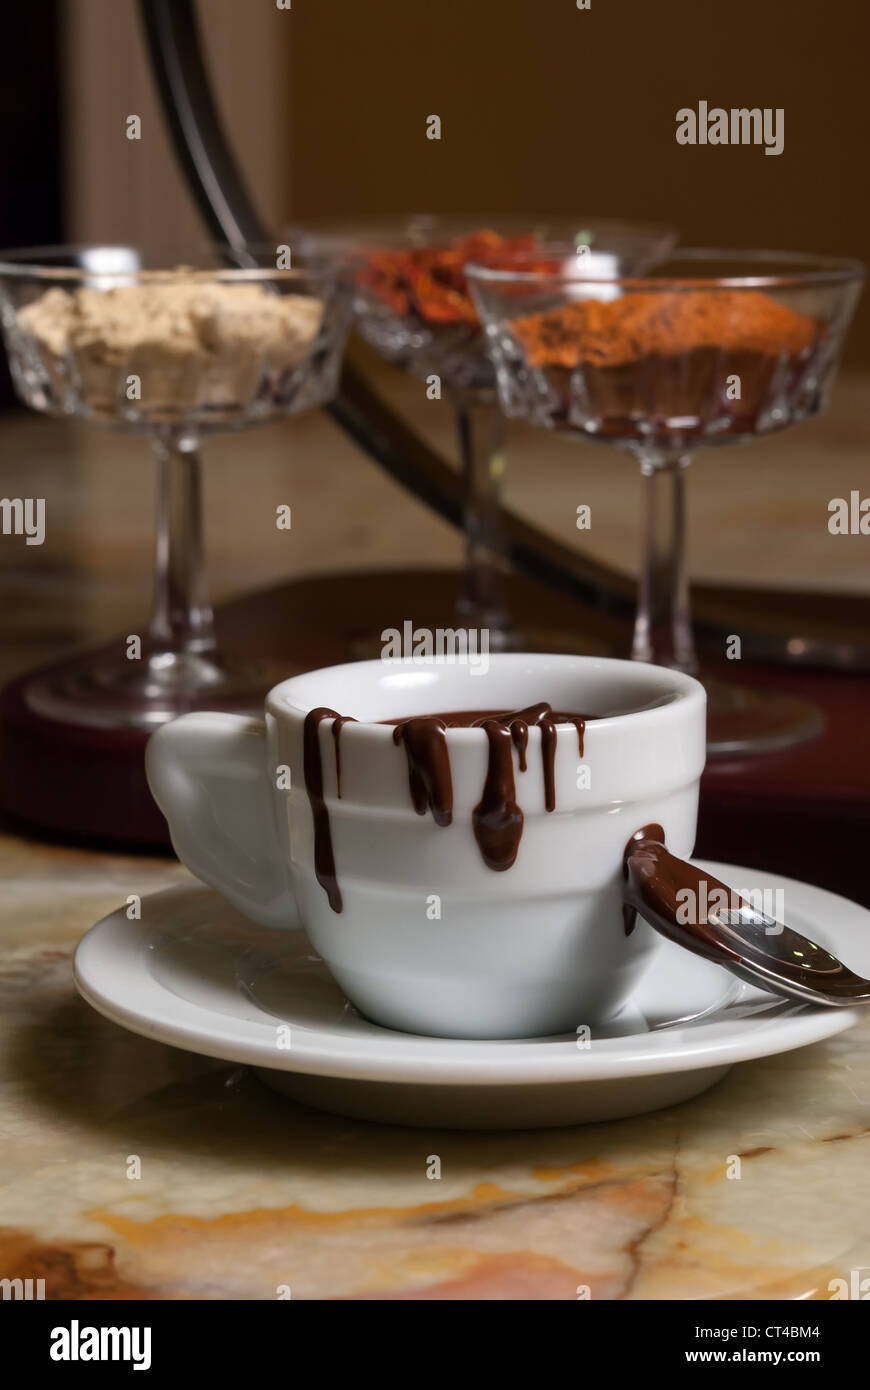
695,910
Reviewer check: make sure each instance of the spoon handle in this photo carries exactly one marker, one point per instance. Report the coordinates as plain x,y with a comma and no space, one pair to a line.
697,911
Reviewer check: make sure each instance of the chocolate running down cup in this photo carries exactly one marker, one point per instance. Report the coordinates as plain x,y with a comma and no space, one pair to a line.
430,938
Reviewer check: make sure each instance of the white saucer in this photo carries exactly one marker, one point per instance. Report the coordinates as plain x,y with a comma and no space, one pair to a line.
194,973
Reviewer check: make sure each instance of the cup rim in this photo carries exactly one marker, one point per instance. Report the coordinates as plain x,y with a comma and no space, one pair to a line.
34,263
371,234
684,689
810,270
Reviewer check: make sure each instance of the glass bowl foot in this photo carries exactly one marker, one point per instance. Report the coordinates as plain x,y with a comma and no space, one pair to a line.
100,691
742,722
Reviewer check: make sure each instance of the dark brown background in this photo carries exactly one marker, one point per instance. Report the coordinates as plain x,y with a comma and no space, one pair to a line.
30,98
548,109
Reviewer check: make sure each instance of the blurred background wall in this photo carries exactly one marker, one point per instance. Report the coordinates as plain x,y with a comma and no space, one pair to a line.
550,109
545,108
120,189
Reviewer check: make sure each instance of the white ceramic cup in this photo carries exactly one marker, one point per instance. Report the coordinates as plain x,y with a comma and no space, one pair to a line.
429,939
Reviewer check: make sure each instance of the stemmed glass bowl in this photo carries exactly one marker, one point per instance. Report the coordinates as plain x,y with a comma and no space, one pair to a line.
711,348
117,337
413,306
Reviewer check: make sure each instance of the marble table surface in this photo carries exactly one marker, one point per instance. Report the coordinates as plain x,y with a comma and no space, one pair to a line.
241,1193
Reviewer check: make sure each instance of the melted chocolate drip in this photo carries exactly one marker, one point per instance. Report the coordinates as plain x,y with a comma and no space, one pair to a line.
337,725
497,819
429,776
520,736
546,719
324,862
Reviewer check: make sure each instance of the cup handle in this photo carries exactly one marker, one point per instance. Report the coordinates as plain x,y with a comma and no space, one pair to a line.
209,776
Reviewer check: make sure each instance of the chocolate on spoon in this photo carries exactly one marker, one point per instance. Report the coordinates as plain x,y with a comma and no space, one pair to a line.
697,911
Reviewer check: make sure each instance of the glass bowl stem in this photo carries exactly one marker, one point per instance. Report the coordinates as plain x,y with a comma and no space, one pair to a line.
663,626
481,431
182,621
